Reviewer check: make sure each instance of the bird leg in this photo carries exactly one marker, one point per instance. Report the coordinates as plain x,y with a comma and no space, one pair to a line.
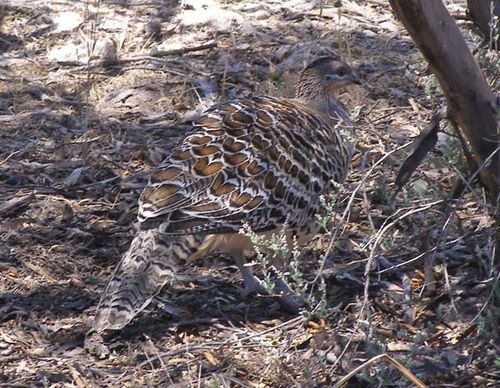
251,283
287,299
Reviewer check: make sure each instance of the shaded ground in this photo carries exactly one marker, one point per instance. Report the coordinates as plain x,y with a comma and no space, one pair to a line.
92,97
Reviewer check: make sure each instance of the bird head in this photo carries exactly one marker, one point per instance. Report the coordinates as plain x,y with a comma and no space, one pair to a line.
323,78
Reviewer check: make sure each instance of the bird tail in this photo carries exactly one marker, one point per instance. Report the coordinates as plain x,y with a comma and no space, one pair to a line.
151,261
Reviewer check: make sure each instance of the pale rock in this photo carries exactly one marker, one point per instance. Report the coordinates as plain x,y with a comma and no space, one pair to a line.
261,15
67,21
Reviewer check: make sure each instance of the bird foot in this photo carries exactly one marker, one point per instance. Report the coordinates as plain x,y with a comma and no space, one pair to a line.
285,296
290,304
94,344
286,299
252,285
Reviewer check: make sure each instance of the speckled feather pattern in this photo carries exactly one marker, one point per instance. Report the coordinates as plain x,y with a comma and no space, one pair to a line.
262,161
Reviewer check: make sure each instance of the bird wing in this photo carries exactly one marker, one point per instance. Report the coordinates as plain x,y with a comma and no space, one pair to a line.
264,161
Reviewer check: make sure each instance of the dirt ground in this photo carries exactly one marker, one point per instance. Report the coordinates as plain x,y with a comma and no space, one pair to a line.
95,93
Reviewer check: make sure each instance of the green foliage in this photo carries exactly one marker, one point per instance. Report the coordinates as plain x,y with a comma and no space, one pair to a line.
284,247
324,216
261,244
432,90
381,188
215,383
453,153
355,113
420,186
277,79
489,321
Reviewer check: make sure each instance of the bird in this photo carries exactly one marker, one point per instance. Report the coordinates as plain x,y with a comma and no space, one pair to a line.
262,162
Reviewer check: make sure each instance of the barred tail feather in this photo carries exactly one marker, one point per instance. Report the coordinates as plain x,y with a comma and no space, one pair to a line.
149,263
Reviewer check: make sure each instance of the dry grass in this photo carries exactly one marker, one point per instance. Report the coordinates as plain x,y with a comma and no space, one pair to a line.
411,277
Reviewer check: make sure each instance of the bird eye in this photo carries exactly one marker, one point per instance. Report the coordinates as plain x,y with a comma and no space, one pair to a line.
342,71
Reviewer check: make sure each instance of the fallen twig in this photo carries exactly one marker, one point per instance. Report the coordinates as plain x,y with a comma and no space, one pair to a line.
401,368
151,57
14,204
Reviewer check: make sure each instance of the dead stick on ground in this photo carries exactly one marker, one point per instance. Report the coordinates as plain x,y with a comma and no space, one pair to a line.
8,157
161,54
153,56
401,368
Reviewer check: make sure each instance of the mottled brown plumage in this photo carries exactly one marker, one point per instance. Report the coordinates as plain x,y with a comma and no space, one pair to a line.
262,161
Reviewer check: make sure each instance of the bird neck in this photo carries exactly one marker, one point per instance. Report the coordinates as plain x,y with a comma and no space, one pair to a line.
321,102
320,105
314,95
316,98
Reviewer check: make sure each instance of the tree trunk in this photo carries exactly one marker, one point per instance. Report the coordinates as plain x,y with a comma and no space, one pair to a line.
471,102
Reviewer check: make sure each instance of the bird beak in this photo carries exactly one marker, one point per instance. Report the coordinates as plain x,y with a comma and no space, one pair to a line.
355,80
